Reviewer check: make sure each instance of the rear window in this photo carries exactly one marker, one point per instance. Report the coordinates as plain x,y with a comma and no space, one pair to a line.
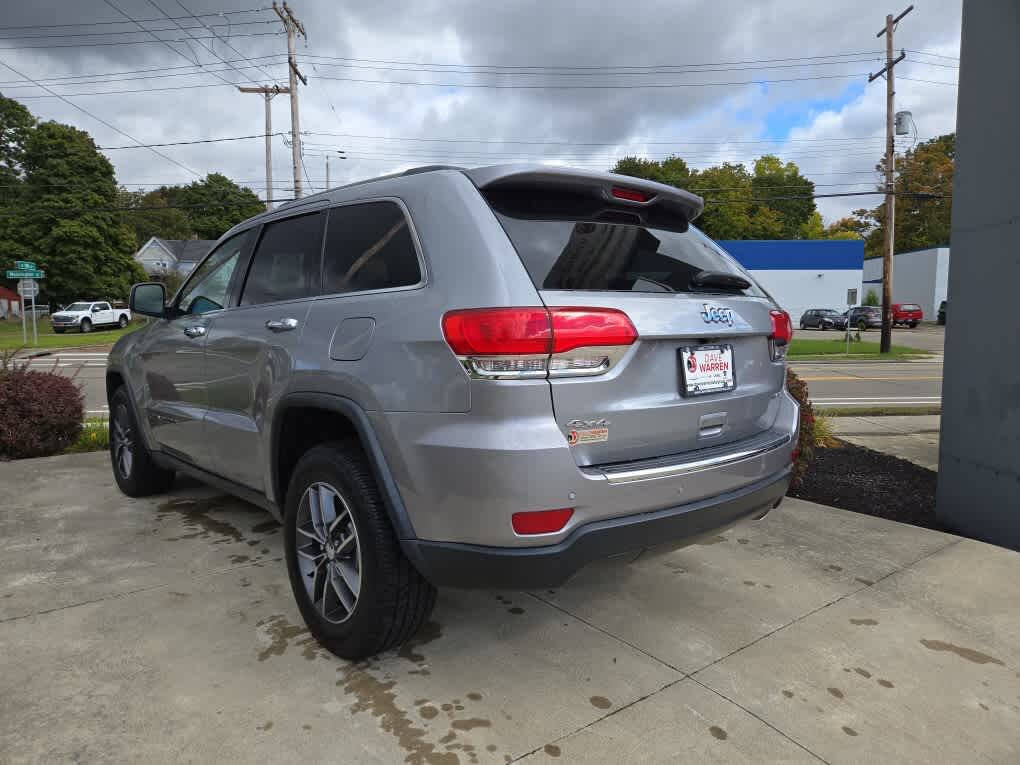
617,257
910,307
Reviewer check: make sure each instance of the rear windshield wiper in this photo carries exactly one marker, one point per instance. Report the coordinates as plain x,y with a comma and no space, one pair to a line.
719,280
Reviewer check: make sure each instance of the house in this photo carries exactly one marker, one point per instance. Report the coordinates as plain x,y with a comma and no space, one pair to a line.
162,256
805,273
10,303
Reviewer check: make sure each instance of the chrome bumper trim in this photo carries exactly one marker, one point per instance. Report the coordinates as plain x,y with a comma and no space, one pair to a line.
649,470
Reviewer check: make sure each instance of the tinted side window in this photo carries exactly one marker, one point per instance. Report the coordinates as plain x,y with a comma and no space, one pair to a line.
369,247
206,289
286,261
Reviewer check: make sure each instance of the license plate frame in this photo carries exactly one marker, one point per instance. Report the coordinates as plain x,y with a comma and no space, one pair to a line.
715,383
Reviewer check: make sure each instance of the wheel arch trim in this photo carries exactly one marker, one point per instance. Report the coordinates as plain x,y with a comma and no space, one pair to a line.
352,411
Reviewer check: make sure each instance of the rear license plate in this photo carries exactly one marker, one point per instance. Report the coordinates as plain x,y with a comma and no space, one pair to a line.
707,369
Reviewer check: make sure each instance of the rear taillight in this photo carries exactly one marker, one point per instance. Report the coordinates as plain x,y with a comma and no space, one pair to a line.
630,195
541,521
515,343
782,334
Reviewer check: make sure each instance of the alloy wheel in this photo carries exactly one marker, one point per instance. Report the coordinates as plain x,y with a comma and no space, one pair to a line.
123,442
328,552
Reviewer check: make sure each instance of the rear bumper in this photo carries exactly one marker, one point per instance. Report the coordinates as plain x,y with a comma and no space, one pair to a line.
449,564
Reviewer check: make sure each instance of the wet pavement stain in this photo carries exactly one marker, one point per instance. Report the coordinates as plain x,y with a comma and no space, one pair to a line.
749,582
265,526
236,559
471,723
718,733
849,731
864,622
198,522
862,672
430,631
280,632
835,692
788,694
885,683
306,726
428,712
378,699
833,567
516,610
743,541
265,726
491,748
964,653
600,702
180,594
862,580
475,696
450,736
552,750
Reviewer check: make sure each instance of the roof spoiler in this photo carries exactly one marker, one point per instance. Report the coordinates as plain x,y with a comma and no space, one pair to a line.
618,190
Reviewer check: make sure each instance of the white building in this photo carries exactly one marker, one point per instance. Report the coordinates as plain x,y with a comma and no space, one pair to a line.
803,274
919,277
161,256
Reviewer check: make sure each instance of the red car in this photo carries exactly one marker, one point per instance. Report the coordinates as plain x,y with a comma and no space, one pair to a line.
907,313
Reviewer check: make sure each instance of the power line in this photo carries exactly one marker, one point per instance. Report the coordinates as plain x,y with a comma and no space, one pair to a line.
200,25
225,42
101,120
127,42
934,55
189,143
60,82
102,23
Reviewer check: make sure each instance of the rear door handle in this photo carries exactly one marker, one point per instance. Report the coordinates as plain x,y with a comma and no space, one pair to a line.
282,325
194,331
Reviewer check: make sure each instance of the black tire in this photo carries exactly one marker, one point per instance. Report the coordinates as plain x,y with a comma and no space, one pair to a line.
803,326
913,325
58,331
85,326
139,476
394,600
122,322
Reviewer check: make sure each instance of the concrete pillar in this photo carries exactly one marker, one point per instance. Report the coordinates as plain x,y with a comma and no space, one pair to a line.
979,453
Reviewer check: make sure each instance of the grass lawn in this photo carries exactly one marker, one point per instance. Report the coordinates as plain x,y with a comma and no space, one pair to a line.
10,335
800,347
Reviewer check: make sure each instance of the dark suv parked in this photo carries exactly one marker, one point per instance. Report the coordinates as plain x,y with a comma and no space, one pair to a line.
862,317
467,378
819,318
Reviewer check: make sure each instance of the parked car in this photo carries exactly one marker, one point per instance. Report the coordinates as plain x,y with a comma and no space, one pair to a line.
942,312
862,317
86,316
819,318
467,378
908,314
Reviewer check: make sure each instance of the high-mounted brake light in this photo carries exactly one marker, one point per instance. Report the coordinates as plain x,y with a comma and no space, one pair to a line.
541,521
630,195
782,334
512,343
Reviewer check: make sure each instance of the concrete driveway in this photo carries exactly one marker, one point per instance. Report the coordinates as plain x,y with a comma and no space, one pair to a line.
164,629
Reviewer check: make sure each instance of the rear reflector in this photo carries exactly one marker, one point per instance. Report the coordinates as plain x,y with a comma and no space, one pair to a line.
630,195
541,521
520,336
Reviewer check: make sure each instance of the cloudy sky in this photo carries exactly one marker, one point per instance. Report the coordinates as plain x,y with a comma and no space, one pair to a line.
394,85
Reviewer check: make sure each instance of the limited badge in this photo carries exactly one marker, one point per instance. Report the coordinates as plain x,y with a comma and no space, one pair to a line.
587,432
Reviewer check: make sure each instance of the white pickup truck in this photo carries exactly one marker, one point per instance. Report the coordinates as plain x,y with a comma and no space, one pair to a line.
86,316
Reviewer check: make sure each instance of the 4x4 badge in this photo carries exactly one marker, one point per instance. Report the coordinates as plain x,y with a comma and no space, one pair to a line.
587,431
712,314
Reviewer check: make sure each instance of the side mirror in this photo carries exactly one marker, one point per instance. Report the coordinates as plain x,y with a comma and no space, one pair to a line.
148,299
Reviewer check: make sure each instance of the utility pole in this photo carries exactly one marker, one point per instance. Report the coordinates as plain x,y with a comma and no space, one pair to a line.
341,155
268,92
890,183
293,27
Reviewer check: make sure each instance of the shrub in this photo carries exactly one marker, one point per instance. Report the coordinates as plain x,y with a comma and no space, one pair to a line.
871,298
804,452
41,413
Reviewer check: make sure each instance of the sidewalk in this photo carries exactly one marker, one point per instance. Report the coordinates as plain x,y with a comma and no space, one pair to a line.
910,437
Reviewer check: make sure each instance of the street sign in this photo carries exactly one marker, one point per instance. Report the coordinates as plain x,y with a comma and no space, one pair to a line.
22,274
24,265
851,297
28,288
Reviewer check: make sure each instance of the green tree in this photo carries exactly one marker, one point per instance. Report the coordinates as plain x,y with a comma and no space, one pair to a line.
213,204
15,124
62,216
924,187
149,214
786,191
872,298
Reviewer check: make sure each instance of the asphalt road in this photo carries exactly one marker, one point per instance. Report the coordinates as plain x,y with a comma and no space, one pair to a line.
831,383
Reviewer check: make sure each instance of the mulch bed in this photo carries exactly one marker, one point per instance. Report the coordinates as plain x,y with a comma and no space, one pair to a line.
852,477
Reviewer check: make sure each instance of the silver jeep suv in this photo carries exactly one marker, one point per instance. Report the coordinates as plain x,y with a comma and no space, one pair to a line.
466,378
